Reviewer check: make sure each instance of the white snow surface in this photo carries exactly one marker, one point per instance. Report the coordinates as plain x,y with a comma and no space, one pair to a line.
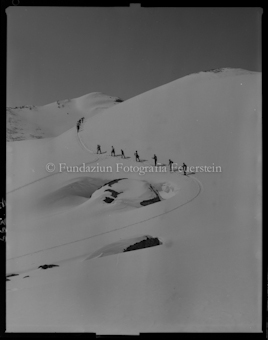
36,122
205,276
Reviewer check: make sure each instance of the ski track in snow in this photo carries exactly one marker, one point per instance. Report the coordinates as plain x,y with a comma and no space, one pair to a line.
82,143
199,189
129,225
206,276
61,262
55,173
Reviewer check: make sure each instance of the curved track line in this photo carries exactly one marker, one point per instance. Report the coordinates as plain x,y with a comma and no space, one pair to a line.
106,232
55,173
110,231
82,143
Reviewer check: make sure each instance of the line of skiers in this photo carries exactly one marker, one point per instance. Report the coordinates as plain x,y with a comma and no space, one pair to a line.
137,157
170,163
79,123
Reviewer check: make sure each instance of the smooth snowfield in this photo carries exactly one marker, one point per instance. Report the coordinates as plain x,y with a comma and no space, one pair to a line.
30,122
206,273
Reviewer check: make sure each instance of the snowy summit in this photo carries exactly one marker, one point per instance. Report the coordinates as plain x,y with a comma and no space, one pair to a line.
35,122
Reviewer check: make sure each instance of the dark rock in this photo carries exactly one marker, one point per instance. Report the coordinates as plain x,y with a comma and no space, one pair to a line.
151,201
46,266
108,200
12,275
114,181
113,192
149,242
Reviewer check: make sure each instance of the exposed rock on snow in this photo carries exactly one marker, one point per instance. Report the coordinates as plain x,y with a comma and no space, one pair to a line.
148,242
46,266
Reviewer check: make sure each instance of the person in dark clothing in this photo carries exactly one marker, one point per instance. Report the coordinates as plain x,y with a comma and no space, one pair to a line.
98,149
155,160
184,168
170,162
137,156
78,126
113,152
122,154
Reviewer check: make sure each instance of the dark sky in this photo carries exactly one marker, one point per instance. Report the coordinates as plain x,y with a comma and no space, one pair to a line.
57,53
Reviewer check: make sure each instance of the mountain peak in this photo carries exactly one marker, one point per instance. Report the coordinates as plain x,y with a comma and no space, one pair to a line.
228,71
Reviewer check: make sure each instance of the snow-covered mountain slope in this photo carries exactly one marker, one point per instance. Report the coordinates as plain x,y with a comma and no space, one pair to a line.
35,122
67,229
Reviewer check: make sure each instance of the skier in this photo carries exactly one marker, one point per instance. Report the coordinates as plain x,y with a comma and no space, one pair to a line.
122,154
113,152
78,126
184,168
155,160
98,149
137,156
170,162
